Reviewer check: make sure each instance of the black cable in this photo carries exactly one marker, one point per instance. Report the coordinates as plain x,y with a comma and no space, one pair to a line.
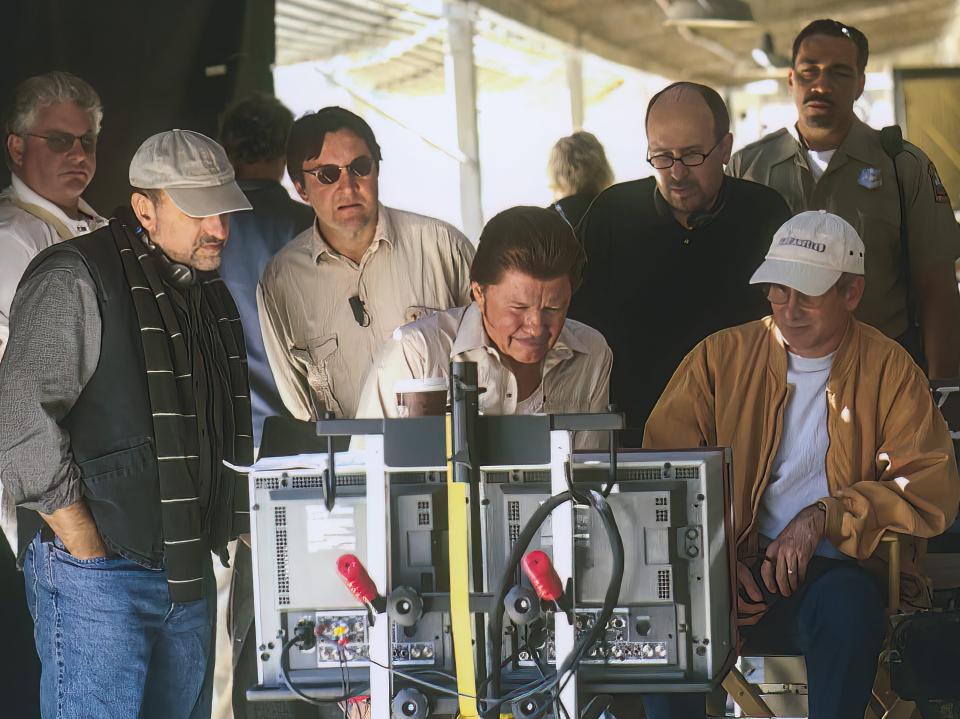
595,500
344,681
566,671
535,655
513,561
348,695
285,673
612,596
417,680
503,665
599,503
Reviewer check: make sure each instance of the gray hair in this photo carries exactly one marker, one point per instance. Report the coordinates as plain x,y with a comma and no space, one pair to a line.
578,164
39,91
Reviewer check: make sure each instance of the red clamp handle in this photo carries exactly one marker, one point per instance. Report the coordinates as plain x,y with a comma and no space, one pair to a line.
355,576
539,570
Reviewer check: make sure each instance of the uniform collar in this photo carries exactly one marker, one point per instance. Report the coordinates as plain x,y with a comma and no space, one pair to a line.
855,144
26,195
471,335
786,144
384,231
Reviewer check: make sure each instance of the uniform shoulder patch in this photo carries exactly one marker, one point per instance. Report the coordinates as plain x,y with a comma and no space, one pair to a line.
939,191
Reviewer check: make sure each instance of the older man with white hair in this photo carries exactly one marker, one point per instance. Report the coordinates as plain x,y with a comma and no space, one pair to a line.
836,440
123,390
50,146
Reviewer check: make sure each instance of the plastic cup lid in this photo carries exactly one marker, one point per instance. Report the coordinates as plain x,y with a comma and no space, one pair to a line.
421,384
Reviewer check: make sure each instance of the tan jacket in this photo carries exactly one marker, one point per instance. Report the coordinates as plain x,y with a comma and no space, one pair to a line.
890,463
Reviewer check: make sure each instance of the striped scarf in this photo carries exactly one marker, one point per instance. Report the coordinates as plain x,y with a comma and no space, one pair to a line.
187,535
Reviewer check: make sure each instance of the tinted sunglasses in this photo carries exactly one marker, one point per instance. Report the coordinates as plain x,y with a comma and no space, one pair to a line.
61,142
329,174
780,295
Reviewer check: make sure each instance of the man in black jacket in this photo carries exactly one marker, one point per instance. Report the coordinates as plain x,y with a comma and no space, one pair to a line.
122,391
669,257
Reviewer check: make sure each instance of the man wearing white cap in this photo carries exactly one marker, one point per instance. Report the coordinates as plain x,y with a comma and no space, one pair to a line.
121,393
836,440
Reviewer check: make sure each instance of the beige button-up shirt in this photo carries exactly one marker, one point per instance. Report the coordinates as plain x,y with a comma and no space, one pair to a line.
576,370
318,351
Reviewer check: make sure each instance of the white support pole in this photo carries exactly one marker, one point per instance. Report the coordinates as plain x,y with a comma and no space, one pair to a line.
461,79
575,87
563,524
378,559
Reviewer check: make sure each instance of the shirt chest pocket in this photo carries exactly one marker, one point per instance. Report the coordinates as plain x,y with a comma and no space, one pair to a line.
320,359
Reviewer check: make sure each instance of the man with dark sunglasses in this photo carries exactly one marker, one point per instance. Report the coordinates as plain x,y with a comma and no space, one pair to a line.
833,161
331,297
669,256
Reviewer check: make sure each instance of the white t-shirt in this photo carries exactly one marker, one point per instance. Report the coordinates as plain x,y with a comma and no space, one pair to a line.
532,404
799,476
818,161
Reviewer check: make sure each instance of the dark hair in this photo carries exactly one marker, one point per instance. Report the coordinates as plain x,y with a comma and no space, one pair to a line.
834,28
578,164
718,108
255,130
532,240
155,196
308,132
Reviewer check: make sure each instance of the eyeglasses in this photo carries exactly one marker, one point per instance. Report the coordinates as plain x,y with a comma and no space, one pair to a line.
780,295
691,159
61,142
329,174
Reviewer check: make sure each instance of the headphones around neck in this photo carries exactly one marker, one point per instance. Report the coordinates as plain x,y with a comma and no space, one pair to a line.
177,274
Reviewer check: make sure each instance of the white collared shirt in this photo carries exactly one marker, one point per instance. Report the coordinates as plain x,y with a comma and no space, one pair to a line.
576,370
23,236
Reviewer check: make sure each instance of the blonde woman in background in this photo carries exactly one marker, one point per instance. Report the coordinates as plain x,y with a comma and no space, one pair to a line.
579,171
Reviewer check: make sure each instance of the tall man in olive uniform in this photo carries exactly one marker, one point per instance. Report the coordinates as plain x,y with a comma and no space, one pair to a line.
832,161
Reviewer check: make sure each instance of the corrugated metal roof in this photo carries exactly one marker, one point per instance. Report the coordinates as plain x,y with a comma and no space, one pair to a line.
400,44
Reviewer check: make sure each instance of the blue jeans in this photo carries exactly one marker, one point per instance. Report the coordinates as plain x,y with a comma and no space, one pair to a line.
836,622
111,644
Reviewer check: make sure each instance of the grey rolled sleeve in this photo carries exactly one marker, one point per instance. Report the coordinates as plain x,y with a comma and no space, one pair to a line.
54,348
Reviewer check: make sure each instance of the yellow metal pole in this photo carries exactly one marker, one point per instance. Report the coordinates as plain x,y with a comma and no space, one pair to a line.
458,513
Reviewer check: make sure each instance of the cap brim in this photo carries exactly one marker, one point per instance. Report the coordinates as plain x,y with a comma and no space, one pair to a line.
207,201
808,279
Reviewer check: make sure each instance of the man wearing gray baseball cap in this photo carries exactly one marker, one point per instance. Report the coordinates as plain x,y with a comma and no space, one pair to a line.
836,440
123,389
